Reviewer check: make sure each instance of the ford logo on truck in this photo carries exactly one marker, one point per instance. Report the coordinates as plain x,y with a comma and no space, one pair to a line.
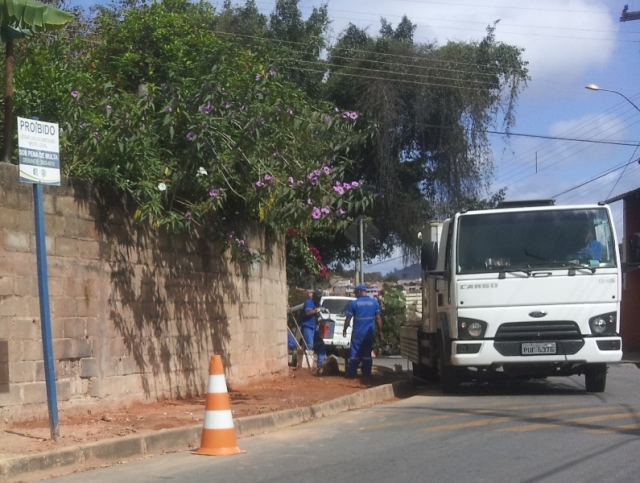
537,314
470,286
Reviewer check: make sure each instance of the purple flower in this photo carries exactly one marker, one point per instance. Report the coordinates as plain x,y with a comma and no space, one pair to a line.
272,72
313,181
207,109
317,172
300,181
291,180
353,115
355,184
267,177
241,242
168,110
74,94
326,169
338,189
275,154
96,135
109,106
289,111
213,193
326,210
346,186
316,213
231,234
190,136
336,109
338,183
327,119
259,184
309,201
258,77
341,212
227,105
188,216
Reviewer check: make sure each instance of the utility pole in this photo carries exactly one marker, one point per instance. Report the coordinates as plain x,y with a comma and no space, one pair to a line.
627,15
361,249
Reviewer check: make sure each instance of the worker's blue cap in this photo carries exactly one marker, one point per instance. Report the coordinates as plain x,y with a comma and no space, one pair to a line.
362,287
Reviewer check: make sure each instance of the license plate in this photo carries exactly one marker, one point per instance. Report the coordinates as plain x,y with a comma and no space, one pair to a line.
538,348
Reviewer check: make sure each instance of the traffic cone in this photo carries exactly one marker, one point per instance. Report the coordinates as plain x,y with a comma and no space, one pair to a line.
218,433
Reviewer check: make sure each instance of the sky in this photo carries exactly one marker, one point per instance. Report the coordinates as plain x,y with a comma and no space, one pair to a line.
568,44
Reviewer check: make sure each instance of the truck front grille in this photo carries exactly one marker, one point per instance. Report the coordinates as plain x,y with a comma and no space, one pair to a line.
548,330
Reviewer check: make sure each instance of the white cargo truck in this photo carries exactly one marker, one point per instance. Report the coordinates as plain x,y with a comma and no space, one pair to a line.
527,290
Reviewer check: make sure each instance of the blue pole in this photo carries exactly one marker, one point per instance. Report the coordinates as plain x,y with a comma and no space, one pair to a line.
45,313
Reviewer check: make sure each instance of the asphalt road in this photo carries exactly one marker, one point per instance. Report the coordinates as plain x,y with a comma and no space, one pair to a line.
526,432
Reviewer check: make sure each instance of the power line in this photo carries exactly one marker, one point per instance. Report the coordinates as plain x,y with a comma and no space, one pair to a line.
541,136
385,15
488,85
621,174
588,121
602,175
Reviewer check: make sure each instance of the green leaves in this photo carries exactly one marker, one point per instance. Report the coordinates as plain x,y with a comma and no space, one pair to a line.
22,18
201,130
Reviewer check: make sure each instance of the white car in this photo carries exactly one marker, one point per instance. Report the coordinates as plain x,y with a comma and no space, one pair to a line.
333,339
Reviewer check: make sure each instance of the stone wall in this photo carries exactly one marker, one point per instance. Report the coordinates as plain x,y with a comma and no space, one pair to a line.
136,314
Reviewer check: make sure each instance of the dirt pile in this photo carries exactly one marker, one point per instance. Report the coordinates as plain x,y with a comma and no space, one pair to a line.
301,388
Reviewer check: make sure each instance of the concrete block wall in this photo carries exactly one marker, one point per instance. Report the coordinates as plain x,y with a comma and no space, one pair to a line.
136,314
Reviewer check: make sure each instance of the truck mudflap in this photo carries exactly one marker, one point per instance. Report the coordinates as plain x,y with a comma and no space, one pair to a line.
417,346
489,352
409,345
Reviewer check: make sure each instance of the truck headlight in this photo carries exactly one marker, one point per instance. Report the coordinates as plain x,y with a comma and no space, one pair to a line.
475,329
471,328
604,324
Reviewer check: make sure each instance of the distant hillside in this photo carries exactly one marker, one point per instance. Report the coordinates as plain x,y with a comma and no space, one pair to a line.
412,271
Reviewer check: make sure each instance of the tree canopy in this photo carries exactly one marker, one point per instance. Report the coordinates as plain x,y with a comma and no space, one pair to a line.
210,117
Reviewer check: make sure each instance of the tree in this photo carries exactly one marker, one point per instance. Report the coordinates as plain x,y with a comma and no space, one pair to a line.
198,128
20,19
433,105
394,317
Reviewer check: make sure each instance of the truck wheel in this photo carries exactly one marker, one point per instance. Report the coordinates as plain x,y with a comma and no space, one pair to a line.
449,374
595,377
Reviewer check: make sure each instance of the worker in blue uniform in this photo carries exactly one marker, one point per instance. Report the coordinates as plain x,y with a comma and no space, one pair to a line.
310,327
365,312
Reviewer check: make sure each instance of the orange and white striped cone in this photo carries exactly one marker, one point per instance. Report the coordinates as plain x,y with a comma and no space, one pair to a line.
218,433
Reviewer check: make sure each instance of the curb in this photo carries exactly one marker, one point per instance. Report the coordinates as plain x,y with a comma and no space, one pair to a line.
116,450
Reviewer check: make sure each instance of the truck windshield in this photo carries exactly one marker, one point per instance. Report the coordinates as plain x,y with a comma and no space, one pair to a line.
533,240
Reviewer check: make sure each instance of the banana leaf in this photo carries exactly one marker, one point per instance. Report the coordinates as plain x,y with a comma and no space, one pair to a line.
22,18
19,19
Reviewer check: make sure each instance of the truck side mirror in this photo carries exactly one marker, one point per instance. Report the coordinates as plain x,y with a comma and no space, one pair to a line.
635,248
429,256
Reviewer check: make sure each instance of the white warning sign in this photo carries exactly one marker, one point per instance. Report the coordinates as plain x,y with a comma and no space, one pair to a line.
39,151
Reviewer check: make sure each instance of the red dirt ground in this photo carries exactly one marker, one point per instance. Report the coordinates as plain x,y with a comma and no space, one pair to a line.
300,388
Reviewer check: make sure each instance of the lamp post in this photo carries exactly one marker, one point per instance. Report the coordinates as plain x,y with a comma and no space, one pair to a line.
594,87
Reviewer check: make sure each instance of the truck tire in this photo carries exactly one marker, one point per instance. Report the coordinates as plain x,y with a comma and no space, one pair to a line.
595,377
449,374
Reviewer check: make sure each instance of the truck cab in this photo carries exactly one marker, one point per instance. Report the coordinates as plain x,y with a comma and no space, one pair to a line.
527,291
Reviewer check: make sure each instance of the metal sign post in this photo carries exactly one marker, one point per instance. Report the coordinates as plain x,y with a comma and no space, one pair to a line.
39,148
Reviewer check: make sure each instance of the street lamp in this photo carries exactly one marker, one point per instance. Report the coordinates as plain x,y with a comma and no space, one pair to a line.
594,87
